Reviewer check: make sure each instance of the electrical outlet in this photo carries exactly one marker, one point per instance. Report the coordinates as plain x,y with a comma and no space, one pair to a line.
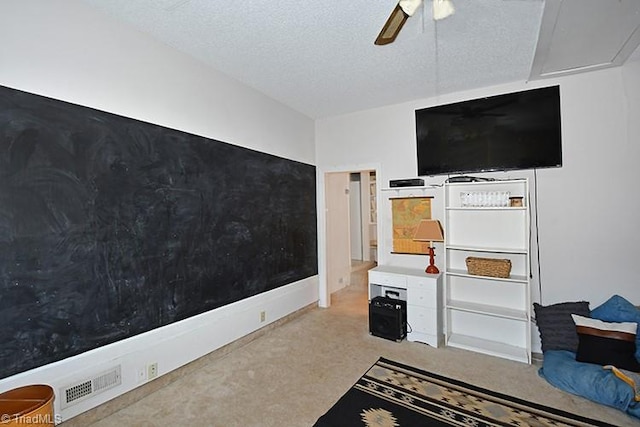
152,370
263,316
141,375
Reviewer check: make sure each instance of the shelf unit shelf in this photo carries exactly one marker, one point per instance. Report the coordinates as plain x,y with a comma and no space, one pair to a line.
486,249
486,208
409,188
492,348
489,310
512,278
485,314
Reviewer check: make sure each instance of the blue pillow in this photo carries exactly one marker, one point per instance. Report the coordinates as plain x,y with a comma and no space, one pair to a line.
618,309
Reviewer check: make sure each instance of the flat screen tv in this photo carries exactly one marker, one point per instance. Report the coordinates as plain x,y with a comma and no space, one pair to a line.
519,130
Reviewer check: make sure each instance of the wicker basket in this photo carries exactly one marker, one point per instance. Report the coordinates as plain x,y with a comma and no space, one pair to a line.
489,267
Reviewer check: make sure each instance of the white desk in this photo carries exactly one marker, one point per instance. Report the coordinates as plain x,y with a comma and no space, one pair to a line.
423,293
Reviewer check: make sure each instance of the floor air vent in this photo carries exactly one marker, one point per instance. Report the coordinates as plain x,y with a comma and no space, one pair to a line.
84,389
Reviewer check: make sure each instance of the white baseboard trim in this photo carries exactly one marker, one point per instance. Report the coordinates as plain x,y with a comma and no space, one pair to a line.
170,347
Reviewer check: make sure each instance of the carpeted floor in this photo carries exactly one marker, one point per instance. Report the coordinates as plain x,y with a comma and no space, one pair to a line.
294,373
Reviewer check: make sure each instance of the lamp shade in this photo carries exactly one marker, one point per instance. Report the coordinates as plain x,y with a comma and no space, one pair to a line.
442,9
429,230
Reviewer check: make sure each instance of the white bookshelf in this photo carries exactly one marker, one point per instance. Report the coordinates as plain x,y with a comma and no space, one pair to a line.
488,314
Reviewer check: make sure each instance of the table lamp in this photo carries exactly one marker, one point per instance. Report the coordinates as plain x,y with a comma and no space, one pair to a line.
430,230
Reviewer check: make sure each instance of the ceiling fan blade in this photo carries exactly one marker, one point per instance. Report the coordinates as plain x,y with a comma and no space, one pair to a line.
406,8
392,27
403,10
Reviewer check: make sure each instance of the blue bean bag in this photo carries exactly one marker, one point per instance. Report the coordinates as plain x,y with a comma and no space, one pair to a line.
588,380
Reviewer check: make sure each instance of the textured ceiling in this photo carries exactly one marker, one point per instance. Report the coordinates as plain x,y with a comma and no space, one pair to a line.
318,57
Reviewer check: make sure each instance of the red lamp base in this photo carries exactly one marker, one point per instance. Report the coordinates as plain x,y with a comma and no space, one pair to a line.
431,269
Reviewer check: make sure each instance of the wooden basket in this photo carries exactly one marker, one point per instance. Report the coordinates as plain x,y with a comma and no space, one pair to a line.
28,405
489,267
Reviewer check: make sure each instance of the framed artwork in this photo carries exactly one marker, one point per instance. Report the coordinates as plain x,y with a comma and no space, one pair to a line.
406,213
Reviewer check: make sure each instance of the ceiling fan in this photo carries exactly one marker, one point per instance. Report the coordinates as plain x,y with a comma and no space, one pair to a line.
403,10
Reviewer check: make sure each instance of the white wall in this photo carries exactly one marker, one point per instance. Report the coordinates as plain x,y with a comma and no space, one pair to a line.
587,209
68,51
589,230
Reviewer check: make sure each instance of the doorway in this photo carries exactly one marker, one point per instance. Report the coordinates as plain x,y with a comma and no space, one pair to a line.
350,235
363,216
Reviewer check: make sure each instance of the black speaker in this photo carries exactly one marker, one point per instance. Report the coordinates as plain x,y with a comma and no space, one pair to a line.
388,318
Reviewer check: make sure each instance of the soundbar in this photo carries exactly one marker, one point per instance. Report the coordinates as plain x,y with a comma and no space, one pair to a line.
414,182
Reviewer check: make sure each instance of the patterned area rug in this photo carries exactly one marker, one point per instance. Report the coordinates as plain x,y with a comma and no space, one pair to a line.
394,395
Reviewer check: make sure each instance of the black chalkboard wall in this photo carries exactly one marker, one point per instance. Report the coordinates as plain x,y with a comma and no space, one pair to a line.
110,227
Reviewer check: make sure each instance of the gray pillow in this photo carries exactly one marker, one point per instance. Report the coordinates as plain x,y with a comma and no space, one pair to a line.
557,330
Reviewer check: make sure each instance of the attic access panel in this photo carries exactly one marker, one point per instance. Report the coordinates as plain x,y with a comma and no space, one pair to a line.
583,35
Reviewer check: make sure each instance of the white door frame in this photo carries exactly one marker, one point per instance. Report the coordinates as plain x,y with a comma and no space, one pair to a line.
324,299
